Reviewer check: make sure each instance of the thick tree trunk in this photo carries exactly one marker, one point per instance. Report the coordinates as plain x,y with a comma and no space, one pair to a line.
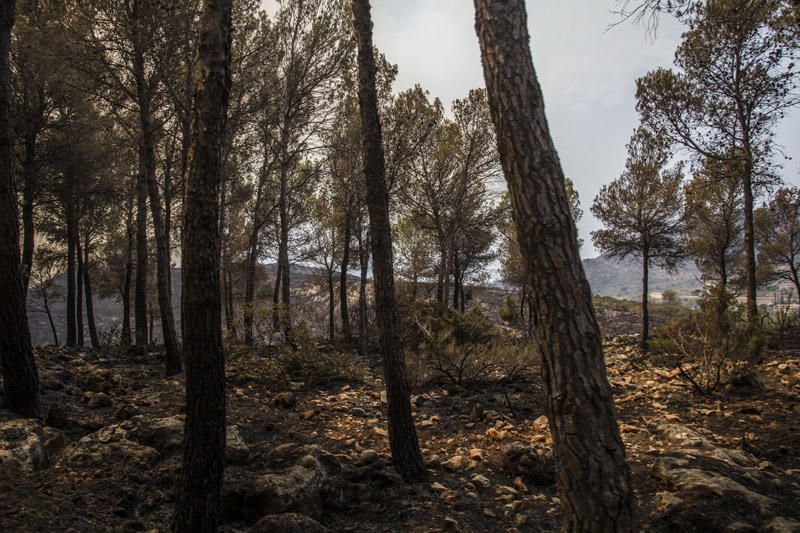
20,377
343,308
199,505
28,188
645,297
406,454
594,481
87,288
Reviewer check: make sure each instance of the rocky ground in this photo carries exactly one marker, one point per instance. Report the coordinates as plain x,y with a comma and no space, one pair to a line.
308,457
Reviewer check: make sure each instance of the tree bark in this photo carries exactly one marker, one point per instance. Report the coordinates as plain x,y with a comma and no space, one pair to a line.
363,325
69,207
87,288
163,271
406,454
28,188
250,288
46,303
594,481
645,309
20,377
331,307
79,288
199,505
125,293
343,307
140,284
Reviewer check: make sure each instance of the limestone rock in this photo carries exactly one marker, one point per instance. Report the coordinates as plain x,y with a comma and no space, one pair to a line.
298,489
22,444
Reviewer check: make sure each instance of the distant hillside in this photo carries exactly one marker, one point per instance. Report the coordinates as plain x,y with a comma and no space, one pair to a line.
608,277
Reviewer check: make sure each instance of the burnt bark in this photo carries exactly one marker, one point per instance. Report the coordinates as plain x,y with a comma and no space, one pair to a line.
406,454
593,478
79,289
20,377
148,167
645,294
343,307
125,291
28,194
140,282
199,505
70,216
87,288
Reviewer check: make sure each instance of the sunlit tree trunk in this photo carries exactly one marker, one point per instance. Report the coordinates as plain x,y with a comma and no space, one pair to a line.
593,478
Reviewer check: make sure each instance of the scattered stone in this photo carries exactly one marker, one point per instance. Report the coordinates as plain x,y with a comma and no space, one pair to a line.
368,457
22,445
285,399
298,489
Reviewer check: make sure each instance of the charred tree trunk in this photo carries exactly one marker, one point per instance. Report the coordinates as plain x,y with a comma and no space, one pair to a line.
28,192
199,505
594,481
343,308
79,289
20,377
406,454
331,307
125,293
69,207
163,271
276,297
645,291
87,288
46,302
140,288
363,324
250,288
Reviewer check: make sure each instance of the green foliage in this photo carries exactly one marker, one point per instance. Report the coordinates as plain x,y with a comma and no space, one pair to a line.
670,296
509,312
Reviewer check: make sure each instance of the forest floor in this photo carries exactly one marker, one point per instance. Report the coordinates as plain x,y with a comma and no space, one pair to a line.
107,457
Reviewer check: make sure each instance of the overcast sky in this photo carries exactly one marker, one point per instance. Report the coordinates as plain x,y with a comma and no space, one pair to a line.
587,74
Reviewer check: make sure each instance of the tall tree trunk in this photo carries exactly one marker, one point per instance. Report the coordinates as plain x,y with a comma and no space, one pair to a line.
140,288
283,253
87,288
199,505
406,454
250,288
594,481
125,293
343,307
750,247
28,188
69,207
456,281
645,298
331,307
53,329
276,297
363,324
20,377
163,271
79,289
